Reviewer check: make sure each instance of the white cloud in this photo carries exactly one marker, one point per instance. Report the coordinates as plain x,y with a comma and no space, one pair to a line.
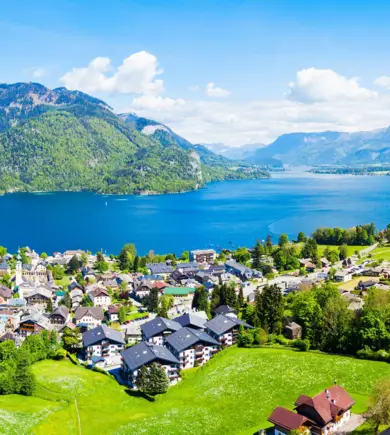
383,81
136,75
36,72
214,91
326,85
152,102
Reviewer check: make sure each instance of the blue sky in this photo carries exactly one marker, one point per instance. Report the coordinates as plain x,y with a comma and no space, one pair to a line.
252,50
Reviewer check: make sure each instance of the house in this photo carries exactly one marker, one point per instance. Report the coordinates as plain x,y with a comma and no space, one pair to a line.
113,313
112,283
33,323
59,317
310,267
75,285
188,268
103,342
364,285
156,330
324,414
192,347
293,331
191,320
243,272
343,276
5,294
143,289
89,317
226,310
225,329
133,333
4,268
76,296
100,298
202,256
39,296
144,354
160,269
179,291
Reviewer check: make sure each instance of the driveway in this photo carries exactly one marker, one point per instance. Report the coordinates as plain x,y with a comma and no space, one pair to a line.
354,422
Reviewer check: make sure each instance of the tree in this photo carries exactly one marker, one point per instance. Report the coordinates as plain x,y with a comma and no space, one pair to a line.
333,256
200,301
142,379
49,306
343,252
99,256
43,255
122,314
379,410
71,339
66,301
241,300
151,300
58,272
242,255
8,351
101,266
166,303
257,252
24,379
301,237
283,240
74,264
136,265
84,259
270,308
268,244
3,251
126,256
310,250
158,382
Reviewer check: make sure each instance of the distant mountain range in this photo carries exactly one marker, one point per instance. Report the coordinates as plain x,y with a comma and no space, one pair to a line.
330,147
53,140
243,152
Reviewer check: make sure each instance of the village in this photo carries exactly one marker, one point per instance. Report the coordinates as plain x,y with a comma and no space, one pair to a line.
125,321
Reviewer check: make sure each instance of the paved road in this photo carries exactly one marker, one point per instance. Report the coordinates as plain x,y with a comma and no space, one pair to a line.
354,422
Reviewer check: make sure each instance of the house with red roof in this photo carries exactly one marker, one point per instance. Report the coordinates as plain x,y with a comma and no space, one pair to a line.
323,414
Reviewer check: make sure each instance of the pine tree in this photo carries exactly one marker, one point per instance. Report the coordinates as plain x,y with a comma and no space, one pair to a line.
200,301
49,306
257,253
136,264
152,300
241,299
142,379
74,264
158,380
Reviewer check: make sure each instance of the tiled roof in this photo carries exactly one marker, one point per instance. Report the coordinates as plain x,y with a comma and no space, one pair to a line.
286,419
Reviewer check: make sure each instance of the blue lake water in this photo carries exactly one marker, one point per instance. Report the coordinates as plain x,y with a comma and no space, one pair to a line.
223,214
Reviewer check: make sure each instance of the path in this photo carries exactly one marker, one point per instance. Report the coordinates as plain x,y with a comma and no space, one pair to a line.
353,423
75,402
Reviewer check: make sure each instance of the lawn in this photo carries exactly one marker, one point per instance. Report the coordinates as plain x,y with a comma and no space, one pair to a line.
383,253
234,393
64,282
350,249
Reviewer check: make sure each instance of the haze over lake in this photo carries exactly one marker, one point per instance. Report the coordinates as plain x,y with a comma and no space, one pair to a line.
221,215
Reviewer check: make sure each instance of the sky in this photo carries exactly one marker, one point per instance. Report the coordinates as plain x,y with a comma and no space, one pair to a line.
233,72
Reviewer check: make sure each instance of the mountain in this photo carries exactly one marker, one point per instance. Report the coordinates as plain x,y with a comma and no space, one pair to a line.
243,152
53,140
330,147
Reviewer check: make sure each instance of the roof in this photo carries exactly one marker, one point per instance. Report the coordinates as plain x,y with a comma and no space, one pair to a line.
342,273
96,312
189,319
224,309
113,309
286,419
7,336
293,326
62,310
158,326
203,252
190,265
99,292
145,283
100,333
5,292
185,338
156,268
385,432
4,266
177,291
39,291
328,403
221,324
146,353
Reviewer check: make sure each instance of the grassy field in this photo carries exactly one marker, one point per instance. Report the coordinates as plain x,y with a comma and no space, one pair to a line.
383,253
350,250
234,393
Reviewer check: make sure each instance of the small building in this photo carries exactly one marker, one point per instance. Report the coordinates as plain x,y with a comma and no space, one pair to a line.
33,323
292,331
144,354
324,414
243,272
133,333
143,289
364,285
343,276
103,342
225,329
156,330
159,269
191,320
192,347
203,256
76,296
100,298
310,267
39,296
89,317
178,292
113,313
59,317
226,310
5,294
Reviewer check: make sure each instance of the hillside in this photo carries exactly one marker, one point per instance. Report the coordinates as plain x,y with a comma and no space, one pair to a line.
233,393
55,140
330,147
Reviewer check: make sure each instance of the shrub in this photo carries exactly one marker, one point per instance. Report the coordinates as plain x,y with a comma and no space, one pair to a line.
99,370
60,354
302,345
245,339
367,353
260,337
73,359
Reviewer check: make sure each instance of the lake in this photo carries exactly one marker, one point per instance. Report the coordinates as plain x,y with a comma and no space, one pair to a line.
227,214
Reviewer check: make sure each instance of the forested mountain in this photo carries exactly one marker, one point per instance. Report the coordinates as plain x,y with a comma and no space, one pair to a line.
66,140
330,147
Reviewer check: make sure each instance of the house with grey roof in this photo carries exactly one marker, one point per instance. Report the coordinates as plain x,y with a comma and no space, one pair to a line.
5,294
144,354
225,329
191,320
243,272
192,347
59,317
226,310
89,317
76,296
33,323
103,342
156,330
143,288
160,269
39,296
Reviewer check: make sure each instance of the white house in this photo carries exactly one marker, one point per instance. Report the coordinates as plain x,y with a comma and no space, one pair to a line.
343,276
90,317
102,342
100,298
